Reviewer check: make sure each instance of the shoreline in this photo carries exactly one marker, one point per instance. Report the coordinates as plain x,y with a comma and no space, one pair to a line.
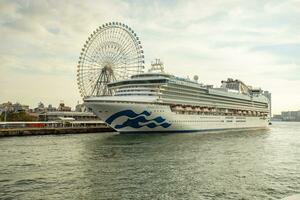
10,132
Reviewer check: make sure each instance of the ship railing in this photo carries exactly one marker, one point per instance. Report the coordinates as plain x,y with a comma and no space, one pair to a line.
184,109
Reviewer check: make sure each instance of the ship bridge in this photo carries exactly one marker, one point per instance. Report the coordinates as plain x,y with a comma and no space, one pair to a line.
147,84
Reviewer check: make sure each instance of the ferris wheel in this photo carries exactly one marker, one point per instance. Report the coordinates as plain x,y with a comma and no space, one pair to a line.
112,52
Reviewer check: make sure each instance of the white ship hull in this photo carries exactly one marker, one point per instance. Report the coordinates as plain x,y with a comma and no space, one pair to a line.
127,117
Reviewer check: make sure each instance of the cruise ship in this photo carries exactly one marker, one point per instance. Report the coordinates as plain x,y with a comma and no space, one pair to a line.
160,102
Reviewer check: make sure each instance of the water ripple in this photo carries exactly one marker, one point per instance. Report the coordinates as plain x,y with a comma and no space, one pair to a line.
261,164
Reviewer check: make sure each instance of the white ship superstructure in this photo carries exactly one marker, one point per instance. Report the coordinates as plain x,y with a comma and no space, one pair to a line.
161,102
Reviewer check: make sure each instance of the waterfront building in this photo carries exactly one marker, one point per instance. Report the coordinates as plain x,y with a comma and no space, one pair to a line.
50,108
40,108
276,118
62,107
13,107
20,108
60,115
290,115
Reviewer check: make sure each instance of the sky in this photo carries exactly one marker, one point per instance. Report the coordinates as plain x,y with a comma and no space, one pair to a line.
255,41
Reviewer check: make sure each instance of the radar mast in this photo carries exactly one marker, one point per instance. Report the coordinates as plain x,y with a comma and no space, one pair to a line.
157,66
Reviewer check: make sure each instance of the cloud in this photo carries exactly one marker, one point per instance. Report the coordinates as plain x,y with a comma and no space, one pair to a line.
256,41
286,51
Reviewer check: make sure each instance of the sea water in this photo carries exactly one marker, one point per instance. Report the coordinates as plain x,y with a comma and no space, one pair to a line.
258,164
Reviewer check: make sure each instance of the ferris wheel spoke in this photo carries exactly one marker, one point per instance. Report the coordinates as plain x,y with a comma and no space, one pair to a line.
130,41
94,55
89,81
127,48
120,72
132,48
117,51
124,60
124,67
98,56
90,68
132,58
102,38
125,42
88,77
127,69
129,73
101,48
103,52
118,55
131,53
117,58
127,63
91,65
90,74
99,52
90,59
124,38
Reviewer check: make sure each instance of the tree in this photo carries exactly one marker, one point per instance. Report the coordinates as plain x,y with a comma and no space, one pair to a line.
18,116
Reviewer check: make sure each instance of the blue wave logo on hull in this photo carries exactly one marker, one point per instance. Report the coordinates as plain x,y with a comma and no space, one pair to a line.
135,120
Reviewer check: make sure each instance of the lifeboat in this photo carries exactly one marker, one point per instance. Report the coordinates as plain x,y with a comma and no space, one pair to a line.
179,108
188,108
205,109
210,109
197,109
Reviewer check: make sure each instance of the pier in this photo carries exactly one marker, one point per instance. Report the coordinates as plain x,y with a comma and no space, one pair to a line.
52,128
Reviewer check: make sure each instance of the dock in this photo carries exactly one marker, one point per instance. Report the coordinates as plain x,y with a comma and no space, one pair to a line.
41,128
